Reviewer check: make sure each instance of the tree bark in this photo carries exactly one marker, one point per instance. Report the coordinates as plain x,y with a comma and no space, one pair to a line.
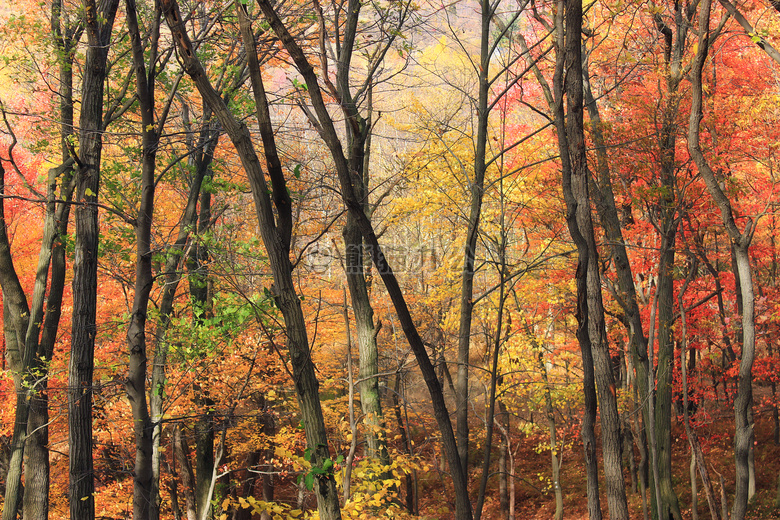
99,25
36,465
697,456
570,159
556,465
135,385
329,134
743,437
201,154
590,314
273,208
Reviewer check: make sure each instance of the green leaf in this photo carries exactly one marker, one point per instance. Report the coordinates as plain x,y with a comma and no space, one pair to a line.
309,481
89,193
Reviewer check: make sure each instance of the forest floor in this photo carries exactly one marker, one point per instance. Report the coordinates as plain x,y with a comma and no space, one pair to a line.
535,499
716,436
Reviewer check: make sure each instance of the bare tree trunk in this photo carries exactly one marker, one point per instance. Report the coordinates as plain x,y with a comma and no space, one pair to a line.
743,402
697,456
590,314
36,465
347,480
411,494
562,70
144,506
274,211
694,488
99,25
503,456
556,465
182,455
330,136
201,154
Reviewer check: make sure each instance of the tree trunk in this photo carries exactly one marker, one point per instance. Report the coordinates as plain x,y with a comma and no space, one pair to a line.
99,24
135,385
52,257
743,437
590,314
274,212
330,136
182,455
503,457
358,131
476,192
204,457
411,495
201,155
36,465
563,60
669,507
556,465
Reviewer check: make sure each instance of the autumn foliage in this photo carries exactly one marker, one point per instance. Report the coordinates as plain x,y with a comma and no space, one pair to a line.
442,114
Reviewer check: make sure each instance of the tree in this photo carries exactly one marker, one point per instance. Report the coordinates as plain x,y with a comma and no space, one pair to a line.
276,233
99,22
352,203
591,332
743,401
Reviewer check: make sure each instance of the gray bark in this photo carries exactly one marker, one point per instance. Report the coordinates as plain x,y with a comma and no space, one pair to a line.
144,505
743,437
571,159
556,465
590,314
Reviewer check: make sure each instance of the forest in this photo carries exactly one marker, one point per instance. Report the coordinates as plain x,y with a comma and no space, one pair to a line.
473,259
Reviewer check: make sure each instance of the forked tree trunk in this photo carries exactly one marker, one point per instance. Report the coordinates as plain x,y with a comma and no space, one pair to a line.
36,464
590,311
563,62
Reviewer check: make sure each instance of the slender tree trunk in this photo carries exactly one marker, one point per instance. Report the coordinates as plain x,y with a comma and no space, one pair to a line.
503,457
556,465
411,495
358,131
201,155
669,507
204,456
330,136
15,323
563,60
143,482
99,25
182,455
274,212
591,331
743,437
476,189
52,259
36,464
